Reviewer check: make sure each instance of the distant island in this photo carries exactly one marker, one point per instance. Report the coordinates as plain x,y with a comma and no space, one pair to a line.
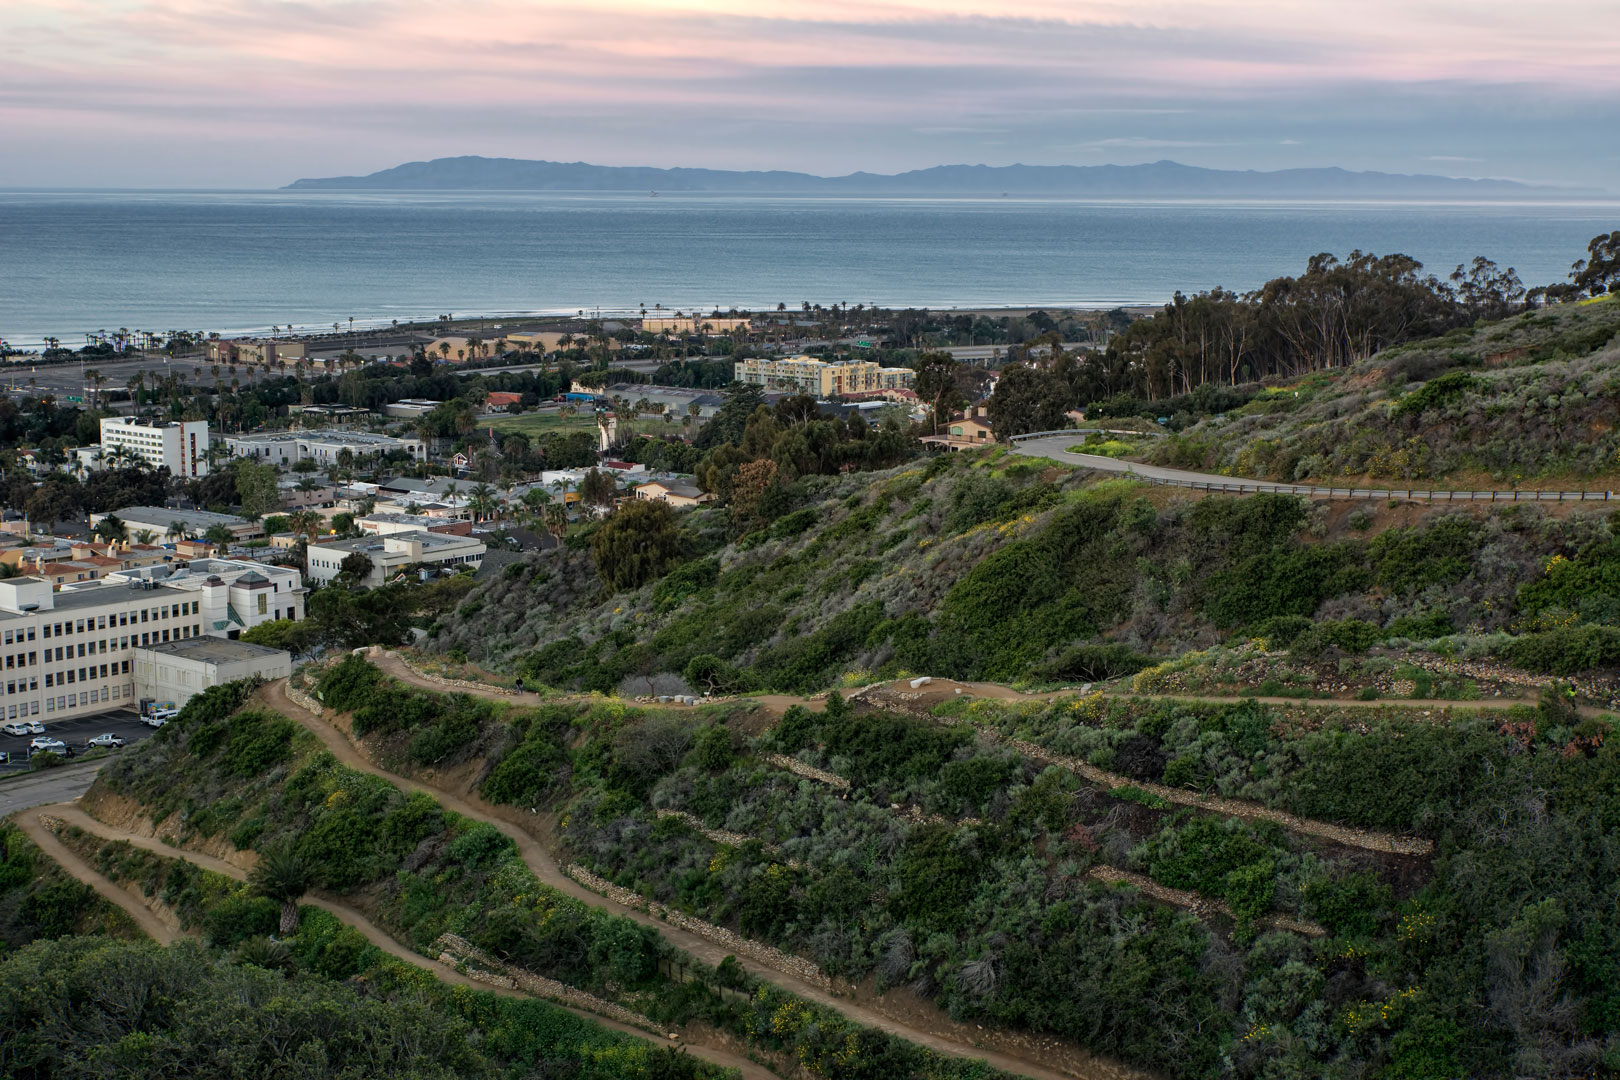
1161,178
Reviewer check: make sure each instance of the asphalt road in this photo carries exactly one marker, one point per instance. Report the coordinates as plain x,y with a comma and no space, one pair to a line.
62,784
1056,447
73,732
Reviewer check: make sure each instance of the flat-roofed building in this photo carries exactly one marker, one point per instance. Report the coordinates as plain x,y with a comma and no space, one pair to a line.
386,524
66,652
821,378
390,554
158,520
411,408
181,446
287,448
180,670
680,495
693,324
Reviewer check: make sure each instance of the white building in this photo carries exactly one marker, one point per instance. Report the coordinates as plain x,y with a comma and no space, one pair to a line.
391,554
182,669
322,447
67,653
181,446
235,594
158,520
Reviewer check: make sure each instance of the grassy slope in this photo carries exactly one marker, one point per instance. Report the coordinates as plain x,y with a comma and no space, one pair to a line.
1531,399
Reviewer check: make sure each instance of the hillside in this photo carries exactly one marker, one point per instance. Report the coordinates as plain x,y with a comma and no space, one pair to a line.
1161,178
990,566
1531,399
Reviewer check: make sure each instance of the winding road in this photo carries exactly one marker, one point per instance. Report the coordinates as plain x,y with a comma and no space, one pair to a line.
1056,448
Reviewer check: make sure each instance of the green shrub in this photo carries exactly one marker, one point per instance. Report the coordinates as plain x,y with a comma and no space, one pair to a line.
349,684
257,742
481,845
1350,905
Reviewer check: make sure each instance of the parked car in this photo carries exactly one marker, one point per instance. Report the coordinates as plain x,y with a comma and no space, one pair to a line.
44,740
106,739
35,727
49,746
16,728
158,717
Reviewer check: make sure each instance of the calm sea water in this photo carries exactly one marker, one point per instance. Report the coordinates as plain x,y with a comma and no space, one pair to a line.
72,262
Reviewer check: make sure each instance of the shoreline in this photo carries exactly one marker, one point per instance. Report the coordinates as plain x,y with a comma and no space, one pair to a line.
34,345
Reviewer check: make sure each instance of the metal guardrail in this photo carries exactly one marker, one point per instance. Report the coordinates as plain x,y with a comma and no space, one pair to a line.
1312,490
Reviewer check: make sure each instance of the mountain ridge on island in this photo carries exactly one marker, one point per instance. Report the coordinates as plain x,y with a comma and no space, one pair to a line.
1158,179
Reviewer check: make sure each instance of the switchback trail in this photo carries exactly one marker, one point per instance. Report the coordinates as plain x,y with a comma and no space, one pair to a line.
943,689
943,1035
70,862
32,823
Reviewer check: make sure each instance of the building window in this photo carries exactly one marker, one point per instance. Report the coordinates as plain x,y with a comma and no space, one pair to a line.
50,705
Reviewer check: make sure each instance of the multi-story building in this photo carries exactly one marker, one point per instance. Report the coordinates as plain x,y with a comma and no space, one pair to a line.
235,594
392,553
67,652
181,445
821,378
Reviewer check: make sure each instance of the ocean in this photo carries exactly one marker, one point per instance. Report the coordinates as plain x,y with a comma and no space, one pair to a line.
73,262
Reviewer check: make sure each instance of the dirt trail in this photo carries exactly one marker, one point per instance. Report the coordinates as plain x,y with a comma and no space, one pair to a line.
899,694
941,1034
82,870
145,918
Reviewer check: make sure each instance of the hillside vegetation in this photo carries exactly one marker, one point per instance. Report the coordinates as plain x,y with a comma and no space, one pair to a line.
950,854
986,566
1528,399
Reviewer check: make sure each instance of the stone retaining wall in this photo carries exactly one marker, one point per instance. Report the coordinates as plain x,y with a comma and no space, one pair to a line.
457,952
809,772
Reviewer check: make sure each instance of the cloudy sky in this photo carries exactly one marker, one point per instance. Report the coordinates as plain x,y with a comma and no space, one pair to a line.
256,93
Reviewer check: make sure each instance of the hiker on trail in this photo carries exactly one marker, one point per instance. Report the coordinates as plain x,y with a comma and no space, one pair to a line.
520,686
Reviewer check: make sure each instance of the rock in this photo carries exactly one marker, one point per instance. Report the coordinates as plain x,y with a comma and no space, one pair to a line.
921,682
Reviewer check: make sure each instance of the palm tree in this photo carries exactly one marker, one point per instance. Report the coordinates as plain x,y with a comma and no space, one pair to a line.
177,531
557,520
481,501
284,878
305,522
110,528
220,536
145,536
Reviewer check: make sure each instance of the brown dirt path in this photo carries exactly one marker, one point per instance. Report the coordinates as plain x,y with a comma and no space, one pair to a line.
73,815
145,918
1052,1060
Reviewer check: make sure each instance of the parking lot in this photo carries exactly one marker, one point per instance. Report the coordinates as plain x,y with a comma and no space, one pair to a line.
75,733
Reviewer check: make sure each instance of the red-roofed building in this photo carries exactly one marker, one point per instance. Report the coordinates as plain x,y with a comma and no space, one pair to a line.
500,401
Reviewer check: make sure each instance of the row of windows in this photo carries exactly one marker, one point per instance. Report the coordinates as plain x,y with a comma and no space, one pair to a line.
65,702
66,652
66,678
102,622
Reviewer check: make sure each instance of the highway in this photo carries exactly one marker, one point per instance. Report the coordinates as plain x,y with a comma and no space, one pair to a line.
1055,446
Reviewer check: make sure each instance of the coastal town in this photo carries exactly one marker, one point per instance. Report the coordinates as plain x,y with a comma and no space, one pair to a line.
229,477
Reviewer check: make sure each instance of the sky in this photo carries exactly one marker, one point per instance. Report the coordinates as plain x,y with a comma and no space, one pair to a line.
257,93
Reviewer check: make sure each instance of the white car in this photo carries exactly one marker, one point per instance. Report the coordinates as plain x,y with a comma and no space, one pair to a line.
108,739
49,746
159,717
45,740
15,728
35,727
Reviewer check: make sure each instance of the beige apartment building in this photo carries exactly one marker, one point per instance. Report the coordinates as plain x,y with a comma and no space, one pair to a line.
821,378
690,324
